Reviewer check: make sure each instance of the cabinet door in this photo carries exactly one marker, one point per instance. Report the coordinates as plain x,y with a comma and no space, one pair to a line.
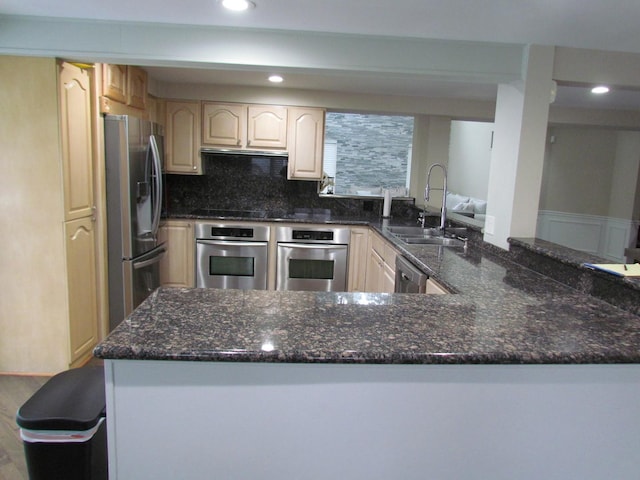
434,288
136,87
306,143
224,124
388,278
267,127
358,259
177,267
373,282
76,140
114,82
182,137
82,289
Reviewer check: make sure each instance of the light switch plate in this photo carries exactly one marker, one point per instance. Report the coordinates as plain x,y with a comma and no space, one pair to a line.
490,225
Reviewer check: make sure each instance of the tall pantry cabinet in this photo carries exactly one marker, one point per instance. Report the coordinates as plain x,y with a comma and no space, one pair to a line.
49,313
76,135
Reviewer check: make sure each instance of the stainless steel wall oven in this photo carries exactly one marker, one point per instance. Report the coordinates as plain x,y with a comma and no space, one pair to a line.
313,259
231,256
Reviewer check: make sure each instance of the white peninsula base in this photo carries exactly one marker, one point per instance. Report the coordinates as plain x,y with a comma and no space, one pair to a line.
191,420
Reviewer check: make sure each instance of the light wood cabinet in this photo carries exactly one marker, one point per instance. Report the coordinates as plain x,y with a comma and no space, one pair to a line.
224,124
374,272
76,130
381,265
434,288
136,87
306,143
358,259
81,286
177,268
182,137
76,141
125,84
267,127
114,82
244,126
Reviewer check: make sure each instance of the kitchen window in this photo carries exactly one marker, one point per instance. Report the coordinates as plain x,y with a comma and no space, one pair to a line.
364,153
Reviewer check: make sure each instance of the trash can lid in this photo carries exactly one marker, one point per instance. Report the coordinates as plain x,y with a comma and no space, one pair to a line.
71,400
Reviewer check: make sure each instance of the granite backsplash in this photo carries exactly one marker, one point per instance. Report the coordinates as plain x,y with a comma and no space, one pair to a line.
240,182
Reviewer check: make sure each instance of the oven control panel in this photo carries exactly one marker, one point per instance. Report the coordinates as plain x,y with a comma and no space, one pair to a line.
218,231
312,235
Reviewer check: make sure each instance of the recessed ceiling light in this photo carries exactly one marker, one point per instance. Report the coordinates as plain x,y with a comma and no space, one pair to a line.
238,5
276,79
600,89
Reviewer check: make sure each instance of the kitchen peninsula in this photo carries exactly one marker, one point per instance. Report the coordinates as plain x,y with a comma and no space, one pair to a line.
514,375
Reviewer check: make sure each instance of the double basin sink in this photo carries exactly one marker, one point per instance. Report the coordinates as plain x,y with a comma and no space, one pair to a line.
453,237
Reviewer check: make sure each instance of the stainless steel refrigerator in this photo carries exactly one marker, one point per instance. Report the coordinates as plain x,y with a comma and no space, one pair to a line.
134,158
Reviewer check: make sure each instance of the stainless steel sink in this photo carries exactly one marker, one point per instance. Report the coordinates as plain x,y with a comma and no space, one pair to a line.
413,231
429,236
442,241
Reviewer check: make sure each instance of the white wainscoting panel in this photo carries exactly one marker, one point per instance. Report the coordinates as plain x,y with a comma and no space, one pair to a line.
606,237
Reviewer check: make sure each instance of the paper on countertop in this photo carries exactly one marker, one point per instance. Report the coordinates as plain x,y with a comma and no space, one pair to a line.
632,269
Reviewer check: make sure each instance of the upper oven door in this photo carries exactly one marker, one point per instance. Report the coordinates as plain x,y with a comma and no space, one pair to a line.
230,264
311,267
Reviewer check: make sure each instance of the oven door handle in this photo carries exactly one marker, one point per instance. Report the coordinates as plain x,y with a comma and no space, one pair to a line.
232,243
314,246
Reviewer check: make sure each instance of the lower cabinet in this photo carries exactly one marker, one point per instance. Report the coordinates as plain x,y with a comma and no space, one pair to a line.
82,289
381,265
434,288
358,245
177,268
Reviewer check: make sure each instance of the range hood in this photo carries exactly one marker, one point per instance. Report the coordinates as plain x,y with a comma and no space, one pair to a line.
246,153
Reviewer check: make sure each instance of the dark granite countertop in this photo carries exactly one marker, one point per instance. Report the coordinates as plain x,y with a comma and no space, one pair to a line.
500,312
306,215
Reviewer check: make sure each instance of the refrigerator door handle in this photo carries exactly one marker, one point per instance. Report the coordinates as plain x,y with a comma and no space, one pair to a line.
157,181
145,263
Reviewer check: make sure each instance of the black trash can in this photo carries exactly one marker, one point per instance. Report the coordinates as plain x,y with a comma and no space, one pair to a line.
63,427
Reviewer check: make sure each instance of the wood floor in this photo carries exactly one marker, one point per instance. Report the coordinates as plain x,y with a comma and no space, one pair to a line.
14,391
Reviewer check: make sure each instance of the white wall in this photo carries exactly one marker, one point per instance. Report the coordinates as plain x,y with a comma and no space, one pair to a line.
470,158
578,170
181,419
517,156
625,189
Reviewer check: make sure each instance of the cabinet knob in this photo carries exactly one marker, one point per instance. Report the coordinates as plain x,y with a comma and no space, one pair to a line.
195,167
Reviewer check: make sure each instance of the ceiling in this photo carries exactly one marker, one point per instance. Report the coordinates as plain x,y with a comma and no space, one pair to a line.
611,25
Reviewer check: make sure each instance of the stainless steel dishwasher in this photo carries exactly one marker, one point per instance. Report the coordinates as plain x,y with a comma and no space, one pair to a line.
409,278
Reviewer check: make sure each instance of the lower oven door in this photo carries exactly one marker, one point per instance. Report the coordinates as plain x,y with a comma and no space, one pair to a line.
231,264
311,267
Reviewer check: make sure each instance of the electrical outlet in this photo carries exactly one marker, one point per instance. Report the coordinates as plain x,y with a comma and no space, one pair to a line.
490,225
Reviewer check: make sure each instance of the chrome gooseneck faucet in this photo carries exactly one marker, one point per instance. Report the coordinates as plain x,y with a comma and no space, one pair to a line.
427,192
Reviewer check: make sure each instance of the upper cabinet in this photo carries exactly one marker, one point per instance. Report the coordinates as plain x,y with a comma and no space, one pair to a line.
267,127
244,126
182,137
77,141
224,124
306,143
114,82
136,87
123,87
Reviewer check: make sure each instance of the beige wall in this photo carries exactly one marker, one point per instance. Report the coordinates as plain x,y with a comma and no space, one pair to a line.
33,301
578,170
